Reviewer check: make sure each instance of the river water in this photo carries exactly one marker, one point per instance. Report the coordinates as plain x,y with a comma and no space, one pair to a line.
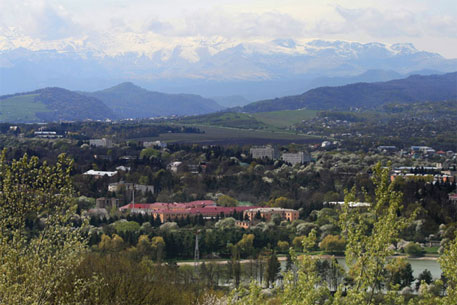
418,265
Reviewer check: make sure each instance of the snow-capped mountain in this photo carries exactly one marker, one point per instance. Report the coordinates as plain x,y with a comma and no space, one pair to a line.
210,67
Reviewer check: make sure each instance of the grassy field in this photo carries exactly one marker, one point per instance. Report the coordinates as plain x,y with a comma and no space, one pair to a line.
225,119
284,119
20,108
275,120
224,135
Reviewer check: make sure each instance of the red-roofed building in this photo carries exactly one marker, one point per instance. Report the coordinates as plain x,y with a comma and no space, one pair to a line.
169,211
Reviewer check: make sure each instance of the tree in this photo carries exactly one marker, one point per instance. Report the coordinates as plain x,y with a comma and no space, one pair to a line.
368,238
283,246
234,265
227,201
448,262
158,247
399,273
272,269
414,249
333,244
246,244
38,266
424,277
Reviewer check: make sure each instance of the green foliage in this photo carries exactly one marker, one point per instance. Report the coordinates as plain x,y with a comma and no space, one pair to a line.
414,249
225,119
38,246
149,153
283,246
227,201
21,108
283,119
400,273
333,244
246,244
369,236
226,223
127,281
272,269
448,262
424,277
126,226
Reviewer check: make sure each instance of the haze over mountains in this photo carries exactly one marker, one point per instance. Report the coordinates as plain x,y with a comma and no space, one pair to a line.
254,70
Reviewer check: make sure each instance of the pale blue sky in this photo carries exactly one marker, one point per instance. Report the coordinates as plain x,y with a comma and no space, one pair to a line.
429,25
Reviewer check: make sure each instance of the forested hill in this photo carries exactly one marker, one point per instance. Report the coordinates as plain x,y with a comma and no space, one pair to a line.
415,88
52,104
130,101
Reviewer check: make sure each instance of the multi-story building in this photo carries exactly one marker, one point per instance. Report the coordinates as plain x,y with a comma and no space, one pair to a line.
117,186
296,158
99,174
103,142
262,152
171,211
106,203
267,213
155,144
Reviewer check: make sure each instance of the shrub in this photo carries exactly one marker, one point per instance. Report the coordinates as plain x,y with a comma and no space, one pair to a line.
333,244
414,250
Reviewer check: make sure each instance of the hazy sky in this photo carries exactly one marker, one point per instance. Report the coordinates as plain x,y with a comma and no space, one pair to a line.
429,25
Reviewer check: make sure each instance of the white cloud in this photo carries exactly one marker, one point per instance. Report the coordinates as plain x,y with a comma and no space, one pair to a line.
182,20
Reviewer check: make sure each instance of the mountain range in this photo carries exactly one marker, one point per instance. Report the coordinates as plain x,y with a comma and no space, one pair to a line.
127,100
130,101
254,70
119,102
415,88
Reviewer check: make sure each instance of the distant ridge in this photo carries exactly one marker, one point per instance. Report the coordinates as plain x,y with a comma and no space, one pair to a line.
415,88
130,101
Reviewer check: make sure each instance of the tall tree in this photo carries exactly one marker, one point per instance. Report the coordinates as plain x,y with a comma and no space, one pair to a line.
38,266
273,269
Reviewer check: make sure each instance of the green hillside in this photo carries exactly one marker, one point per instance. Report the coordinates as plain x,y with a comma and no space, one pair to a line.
21,108
286,118
274,121
226,119
51,104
